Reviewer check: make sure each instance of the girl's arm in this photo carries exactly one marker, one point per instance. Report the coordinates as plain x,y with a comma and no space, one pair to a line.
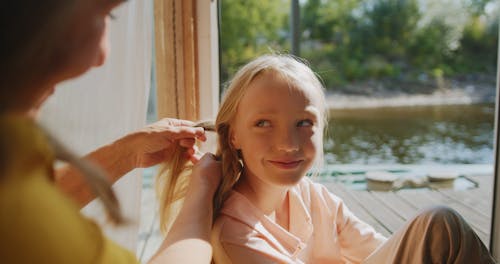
188,240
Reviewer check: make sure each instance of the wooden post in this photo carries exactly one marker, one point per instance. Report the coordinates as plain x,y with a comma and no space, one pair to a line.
176,59
495,212
295,27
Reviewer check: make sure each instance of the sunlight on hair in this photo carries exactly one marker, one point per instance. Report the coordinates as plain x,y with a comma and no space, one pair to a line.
172,181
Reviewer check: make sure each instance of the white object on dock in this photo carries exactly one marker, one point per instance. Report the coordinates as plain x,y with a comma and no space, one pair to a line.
380,180
442,176
381,176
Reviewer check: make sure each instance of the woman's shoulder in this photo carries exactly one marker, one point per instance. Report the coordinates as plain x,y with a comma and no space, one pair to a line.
23,147
43,208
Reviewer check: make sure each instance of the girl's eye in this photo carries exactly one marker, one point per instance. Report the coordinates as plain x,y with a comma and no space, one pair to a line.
305,123
112,16
263,123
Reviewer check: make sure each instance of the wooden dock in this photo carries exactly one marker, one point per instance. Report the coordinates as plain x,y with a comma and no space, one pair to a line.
385,211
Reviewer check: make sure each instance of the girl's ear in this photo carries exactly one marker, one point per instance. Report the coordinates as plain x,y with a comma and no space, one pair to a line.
234,140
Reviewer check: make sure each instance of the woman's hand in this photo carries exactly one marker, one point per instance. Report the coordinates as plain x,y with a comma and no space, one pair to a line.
206,175
191,229
156,142
144,148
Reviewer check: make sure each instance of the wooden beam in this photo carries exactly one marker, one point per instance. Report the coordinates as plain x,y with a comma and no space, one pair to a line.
176,59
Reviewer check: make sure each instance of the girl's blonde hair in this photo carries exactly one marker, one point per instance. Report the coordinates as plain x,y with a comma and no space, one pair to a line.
290,69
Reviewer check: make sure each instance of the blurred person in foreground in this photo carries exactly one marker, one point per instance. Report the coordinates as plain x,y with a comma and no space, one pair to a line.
43,44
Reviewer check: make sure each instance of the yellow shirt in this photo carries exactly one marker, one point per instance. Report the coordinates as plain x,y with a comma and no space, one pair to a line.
38,224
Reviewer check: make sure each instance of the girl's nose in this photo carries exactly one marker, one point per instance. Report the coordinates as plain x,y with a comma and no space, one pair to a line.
287,140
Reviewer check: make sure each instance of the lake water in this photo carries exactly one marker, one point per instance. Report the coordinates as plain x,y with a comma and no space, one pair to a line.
411,135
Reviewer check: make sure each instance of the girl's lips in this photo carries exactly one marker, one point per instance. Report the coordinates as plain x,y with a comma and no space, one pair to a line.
286,164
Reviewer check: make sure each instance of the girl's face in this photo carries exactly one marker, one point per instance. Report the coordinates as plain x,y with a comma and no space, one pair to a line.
278,130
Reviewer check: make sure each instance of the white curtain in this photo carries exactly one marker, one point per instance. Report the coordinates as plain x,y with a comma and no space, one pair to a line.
108,102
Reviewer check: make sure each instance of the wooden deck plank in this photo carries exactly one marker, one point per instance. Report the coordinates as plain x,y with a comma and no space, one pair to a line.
474,204
466,204
417,198
477,220
423,199
378,209
485,182
469,199
397,205
479,199
472,198
353,205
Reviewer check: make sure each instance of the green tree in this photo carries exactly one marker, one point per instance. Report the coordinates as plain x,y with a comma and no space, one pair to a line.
327,44
429,48
347,41
478,47
248,29
477,7
328,21
390,28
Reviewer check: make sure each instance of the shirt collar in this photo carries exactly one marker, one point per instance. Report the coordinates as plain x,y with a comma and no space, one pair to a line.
291,241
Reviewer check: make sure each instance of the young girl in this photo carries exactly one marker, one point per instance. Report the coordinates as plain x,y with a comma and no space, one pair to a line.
270,127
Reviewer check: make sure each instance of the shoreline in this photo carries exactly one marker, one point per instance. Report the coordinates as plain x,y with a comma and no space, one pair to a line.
455,96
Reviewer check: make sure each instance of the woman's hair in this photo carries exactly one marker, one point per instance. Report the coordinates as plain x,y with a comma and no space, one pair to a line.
289,69
94,176
32,32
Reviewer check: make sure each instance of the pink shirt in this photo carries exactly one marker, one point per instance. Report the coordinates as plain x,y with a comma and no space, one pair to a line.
321,230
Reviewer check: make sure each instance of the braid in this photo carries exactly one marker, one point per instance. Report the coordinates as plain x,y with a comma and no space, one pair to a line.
231,167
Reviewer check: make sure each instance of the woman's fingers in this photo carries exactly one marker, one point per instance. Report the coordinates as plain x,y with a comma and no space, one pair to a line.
184,132
196,156
187,142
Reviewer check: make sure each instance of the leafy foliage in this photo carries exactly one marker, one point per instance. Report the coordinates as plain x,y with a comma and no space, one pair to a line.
250,28
355,40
